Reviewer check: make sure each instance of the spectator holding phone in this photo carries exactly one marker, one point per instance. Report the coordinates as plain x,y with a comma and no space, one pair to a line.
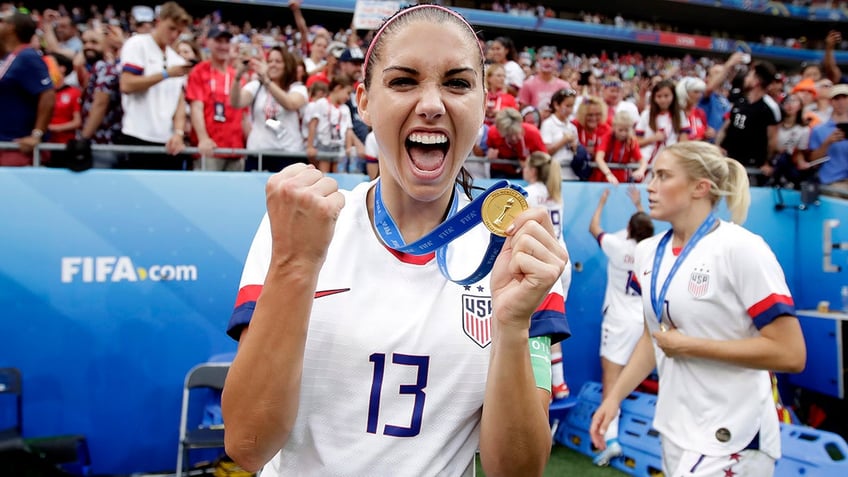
215,122
274,100
828,139
152,81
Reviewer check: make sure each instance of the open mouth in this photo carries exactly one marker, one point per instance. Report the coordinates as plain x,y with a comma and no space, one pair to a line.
428,151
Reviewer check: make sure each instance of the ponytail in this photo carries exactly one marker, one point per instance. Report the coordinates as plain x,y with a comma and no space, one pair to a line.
546,173
728,177
738,191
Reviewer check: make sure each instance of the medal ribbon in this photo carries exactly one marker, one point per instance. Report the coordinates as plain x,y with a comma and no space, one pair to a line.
456,225
701,232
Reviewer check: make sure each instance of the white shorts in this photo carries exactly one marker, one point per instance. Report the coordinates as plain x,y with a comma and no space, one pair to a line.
684,463
619,338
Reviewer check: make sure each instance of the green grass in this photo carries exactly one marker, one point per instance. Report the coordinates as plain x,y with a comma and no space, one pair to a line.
565,461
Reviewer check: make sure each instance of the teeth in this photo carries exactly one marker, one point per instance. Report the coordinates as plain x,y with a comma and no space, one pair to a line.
434,138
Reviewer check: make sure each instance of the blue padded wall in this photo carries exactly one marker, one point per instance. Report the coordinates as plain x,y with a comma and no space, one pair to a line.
104,352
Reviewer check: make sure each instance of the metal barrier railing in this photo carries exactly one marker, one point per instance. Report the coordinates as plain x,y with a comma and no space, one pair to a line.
260,154
124,149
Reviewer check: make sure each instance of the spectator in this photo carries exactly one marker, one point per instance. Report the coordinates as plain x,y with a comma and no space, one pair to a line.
612,93
663,123
793,138
714,104
513,139
60,34
503,52
330,134
819,110
689,91
142,18
26,90
560,134
537,90
350,64
749,135
152,81
66,117
325,74
215,122
497,98
102,112
274,99
620,147
827,140
591,123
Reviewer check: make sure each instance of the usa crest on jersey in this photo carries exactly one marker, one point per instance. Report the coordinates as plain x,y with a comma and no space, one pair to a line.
699,283
477,318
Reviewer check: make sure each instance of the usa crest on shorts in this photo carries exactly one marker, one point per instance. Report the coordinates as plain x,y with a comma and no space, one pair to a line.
699,282
477,318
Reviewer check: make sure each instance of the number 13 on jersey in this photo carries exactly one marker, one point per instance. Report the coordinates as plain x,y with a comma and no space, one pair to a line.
416,389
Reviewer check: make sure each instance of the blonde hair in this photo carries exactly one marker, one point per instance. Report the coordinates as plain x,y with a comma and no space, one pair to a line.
580,115
623,118
172,11
547,172
508,120
727,177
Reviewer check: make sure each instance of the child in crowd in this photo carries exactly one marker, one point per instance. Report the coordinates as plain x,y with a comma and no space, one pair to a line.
663,123
620,146
559,133
331,128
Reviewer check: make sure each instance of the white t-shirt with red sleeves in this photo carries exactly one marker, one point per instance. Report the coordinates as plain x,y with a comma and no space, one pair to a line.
149,115
396,357
728,288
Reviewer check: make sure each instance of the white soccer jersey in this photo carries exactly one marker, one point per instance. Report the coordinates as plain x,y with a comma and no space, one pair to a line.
537,196
148,115
643,129
622,300
728,287
396,356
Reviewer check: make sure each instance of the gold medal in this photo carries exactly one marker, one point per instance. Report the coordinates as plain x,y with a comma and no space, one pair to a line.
663,327
501,208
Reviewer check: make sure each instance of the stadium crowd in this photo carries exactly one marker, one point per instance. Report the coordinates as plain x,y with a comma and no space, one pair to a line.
160,77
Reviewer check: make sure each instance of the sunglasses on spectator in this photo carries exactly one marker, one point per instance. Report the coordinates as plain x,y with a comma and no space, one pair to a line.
567,92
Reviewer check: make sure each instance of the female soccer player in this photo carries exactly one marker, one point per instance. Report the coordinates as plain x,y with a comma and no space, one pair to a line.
622,310
361,359
718,316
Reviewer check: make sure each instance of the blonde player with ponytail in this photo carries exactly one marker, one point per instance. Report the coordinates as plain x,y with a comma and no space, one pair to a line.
718,318
544,189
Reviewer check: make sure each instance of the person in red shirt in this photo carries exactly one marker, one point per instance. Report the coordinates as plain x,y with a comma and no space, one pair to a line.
67,115
619,146
512,138
215,123
496,96
591,123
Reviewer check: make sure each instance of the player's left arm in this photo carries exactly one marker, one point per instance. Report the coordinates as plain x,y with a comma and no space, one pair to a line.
515,436
780,344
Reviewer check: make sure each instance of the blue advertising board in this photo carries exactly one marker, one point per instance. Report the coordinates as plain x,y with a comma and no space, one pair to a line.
113,284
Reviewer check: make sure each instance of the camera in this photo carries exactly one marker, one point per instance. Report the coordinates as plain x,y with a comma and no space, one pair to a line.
275,127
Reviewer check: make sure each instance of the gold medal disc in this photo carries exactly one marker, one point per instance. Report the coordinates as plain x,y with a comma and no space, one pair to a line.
501,208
